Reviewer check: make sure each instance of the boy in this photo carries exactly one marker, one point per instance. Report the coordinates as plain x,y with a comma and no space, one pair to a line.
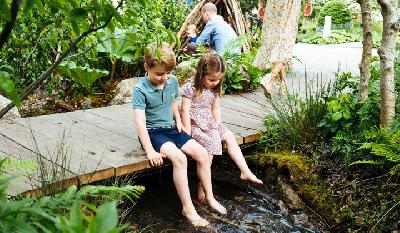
162,136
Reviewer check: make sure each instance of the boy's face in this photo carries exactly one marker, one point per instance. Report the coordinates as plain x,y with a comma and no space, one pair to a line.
158,75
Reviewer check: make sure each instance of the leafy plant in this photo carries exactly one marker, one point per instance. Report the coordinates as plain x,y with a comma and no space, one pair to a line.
240,74
117,46
48,214
385,145
83,75
340,110
293,124
336,37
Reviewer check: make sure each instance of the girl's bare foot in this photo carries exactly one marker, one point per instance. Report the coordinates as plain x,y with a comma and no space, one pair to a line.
250,177
195,219
201,196
213,203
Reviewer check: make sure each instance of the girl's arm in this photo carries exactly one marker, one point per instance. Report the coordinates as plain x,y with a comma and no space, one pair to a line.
177,116
140,122
216,112
186,104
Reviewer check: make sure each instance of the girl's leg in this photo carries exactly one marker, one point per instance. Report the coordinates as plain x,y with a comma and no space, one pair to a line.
199,153
201,196
237,156
179,163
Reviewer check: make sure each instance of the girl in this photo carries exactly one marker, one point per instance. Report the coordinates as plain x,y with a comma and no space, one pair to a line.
201,115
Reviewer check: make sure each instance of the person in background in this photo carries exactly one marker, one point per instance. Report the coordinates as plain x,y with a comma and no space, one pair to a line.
279,31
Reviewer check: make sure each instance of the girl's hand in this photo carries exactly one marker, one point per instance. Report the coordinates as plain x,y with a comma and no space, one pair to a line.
155,158
261,12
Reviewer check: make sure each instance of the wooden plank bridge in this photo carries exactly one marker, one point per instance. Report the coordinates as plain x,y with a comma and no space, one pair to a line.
95,144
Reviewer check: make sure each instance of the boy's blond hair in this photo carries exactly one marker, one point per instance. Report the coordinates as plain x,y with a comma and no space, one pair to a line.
163,55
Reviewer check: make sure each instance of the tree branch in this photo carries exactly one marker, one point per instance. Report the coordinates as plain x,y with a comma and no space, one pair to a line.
10,24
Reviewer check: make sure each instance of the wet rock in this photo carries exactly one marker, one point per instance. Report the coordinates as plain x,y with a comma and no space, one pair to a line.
283,208
271,175
301,218
13,113
123,91
290,197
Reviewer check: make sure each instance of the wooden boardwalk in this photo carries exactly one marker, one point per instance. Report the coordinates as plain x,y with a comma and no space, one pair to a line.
102,143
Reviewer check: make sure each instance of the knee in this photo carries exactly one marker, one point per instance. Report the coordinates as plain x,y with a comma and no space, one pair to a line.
180,160
229,137
204,157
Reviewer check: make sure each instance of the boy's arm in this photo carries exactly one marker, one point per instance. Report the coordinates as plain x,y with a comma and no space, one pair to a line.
186,104
154,157
216,112
177,117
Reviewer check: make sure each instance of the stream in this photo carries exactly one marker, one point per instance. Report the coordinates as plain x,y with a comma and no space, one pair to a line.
250,208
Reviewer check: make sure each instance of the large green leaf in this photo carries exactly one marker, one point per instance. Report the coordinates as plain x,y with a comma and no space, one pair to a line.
82,74
8,86
106,218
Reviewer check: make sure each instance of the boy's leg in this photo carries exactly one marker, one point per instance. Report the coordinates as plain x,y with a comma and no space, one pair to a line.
179,163
237,156
199,153
201,196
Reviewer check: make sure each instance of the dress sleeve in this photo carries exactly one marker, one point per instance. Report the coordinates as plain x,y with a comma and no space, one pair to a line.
188,90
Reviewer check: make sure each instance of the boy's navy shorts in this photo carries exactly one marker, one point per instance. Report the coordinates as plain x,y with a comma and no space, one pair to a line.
159,136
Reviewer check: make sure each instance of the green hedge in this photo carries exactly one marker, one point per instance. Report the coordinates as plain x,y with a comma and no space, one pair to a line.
340,13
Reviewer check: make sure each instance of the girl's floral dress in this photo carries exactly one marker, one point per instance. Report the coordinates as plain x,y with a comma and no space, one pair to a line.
205,130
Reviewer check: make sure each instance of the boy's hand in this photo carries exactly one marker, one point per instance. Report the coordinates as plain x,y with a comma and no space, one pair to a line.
155,158
181,128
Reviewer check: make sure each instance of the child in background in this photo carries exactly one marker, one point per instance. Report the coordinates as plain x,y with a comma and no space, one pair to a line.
162,136
201,115
191,32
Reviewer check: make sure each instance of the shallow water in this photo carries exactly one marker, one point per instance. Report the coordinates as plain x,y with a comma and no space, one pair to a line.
250,208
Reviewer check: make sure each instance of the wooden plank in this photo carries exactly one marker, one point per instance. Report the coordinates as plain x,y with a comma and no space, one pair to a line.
242,104
125,128
47,147
235,118
106,137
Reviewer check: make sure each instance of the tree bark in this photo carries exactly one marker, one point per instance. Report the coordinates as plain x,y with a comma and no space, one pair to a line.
365,72
387,54
10,24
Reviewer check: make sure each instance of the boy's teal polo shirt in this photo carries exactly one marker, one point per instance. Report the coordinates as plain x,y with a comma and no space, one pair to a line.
156,103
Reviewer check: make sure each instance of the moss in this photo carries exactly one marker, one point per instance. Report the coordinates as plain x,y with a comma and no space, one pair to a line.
313,190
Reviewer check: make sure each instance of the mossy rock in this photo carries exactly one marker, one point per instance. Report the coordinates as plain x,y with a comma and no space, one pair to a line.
313,190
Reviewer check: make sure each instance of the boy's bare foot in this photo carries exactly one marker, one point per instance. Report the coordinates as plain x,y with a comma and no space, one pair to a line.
250,177
213,203
195,219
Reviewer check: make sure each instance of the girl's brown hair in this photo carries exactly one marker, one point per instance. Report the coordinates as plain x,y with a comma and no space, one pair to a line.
209,63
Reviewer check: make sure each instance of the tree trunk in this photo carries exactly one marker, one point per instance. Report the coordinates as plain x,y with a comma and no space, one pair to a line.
365,72
387,54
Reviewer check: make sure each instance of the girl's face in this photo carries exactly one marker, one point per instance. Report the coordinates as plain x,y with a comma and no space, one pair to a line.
212,80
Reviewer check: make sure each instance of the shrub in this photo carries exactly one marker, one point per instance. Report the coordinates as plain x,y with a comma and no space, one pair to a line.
294,123
340,13
336,37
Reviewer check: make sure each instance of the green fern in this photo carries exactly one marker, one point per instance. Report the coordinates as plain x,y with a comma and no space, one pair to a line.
14,167
385,144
